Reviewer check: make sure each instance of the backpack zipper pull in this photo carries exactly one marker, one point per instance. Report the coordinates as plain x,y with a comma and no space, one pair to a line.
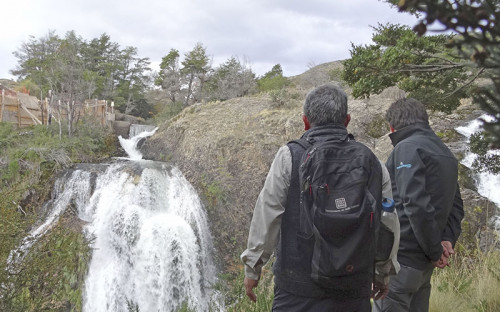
308,156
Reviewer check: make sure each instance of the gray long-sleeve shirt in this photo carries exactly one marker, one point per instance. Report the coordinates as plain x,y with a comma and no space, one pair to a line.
269,208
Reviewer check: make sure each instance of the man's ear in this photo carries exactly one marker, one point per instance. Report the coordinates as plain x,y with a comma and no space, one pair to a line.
347,119
307,125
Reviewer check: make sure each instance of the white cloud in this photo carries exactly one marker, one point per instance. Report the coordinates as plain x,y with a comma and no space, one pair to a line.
292,33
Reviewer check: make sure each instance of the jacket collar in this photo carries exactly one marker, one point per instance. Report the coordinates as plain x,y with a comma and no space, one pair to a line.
326,130
401,134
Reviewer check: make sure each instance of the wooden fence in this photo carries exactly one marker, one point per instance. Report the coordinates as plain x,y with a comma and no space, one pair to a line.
24,110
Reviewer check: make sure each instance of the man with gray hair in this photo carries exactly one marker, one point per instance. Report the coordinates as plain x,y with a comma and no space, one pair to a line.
278,217
427,198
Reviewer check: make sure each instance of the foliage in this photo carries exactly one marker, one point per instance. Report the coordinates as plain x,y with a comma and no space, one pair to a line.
478,35
195,69
51,276
420,65
486,161
231,79
279,97
74,69
236,300
377,127
470,283
213,191
46,280
169,77
167,111
273,79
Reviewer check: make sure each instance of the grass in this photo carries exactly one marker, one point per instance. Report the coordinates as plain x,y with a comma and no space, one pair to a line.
51,276
237,300
471,283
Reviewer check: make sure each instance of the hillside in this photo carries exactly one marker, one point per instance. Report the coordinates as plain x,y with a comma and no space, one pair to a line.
225,148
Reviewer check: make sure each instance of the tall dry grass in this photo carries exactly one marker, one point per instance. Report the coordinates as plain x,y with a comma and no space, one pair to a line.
471,283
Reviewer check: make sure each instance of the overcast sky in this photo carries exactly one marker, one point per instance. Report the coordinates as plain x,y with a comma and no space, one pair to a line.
293,33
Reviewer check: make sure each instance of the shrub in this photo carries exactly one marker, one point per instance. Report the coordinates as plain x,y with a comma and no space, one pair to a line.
279,98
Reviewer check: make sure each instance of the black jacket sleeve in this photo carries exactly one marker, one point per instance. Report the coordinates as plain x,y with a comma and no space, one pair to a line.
410,179
454,226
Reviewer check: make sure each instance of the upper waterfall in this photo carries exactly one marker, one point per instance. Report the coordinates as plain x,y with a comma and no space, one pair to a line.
132,145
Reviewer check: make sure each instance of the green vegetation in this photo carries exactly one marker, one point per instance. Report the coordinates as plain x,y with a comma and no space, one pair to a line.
236,300
273,80
475,24
74,69
377,127
485,161
51,275
421,65
470,283
438,70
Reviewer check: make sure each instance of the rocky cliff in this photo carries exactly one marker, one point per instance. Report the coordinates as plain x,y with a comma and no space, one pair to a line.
225,149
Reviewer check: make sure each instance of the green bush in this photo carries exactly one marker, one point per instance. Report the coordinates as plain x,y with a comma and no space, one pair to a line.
272,83
377,127
279,98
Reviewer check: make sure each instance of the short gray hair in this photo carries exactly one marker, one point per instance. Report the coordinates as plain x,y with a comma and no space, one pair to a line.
405,112
326,104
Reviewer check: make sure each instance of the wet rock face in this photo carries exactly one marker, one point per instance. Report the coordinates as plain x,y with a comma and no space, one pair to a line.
225,150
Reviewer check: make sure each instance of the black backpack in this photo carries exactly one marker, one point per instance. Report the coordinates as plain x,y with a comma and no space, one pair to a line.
340,209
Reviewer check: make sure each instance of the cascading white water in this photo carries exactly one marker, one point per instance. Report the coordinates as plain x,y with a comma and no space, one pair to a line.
136,129
150,236
130,145
66,189
487,182
152,243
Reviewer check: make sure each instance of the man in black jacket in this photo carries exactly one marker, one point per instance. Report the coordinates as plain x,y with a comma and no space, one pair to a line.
424,175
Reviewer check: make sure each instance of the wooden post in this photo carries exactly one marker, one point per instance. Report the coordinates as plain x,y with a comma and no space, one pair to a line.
3,103
46,106
18,113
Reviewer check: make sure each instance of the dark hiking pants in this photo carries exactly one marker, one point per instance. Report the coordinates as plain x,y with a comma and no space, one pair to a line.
287,302
409,291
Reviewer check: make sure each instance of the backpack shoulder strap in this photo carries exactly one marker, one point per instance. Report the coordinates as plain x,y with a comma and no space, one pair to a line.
305,143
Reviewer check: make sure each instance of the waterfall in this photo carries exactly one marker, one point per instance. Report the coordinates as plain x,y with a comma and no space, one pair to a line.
132,145
487,182
151,242
136,129
152,249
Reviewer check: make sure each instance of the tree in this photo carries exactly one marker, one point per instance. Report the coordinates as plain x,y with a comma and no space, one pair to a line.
169,77
132,80
34,58
231,79
101,57
420,65
273,79
75,70
478,40
195,68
